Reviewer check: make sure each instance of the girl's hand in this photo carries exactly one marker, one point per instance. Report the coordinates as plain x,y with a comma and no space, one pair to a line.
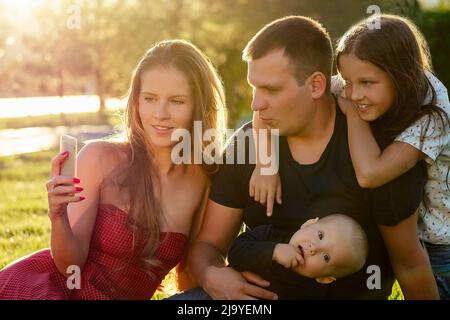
345,105
265,189
61,190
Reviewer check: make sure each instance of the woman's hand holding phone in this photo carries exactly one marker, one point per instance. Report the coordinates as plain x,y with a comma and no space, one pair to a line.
62,187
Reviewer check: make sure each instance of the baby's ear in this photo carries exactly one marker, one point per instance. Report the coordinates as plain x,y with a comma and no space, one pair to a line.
308,222
326,280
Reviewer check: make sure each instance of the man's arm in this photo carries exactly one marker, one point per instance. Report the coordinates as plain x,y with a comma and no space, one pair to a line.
394,208
207,260
409,260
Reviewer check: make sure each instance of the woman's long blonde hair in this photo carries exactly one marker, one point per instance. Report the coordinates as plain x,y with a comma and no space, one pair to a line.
209,108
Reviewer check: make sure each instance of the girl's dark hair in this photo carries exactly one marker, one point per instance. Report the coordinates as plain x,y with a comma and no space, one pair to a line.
398,48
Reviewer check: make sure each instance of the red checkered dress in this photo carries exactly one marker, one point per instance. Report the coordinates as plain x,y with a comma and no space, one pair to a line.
112,270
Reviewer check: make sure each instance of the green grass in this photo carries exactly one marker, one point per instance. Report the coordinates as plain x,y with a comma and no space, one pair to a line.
396,292
24,225
23,205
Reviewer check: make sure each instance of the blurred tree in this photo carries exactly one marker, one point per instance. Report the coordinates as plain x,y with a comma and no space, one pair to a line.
223,28
65,47
407,8
114,34
3,36
5,62
435,25
97,31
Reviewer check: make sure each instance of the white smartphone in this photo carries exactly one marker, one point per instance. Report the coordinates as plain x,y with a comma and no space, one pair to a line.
69,166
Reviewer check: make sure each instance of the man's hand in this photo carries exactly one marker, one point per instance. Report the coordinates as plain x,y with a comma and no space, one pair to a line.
224,283
287,255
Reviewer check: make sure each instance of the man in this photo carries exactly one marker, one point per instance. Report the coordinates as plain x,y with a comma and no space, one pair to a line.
289,69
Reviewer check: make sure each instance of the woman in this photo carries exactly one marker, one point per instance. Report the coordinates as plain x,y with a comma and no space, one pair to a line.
125,221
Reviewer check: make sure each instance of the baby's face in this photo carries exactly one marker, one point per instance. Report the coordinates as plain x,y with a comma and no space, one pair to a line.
323,246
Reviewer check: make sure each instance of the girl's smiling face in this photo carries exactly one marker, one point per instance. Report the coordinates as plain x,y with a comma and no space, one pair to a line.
370,88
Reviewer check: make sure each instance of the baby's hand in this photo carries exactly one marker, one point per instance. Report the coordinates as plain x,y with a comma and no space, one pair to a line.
287,255
265,188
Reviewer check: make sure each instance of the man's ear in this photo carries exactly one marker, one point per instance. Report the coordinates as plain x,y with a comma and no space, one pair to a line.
308,222
318,84
326,280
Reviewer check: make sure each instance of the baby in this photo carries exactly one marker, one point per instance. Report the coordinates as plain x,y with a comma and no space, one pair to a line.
323,249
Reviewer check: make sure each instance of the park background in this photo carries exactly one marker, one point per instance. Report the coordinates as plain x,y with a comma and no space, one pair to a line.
65,67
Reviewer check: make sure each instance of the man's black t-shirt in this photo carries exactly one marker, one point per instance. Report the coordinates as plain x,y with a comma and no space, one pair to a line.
326,187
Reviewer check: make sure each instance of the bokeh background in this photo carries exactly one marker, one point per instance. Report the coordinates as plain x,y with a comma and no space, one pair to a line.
66,47
66,64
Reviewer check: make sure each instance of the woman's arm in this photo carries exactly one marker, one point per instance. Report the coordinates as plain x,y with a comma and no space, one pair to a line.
374,168
185,279
71,231
409,260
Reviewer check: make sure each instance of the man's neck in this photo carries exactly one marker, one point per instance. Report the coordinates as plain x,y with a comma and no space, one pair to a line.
307,147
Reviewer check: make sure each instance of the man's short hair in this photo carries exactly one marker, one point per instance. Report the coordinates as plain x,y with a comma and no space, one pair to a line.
305,42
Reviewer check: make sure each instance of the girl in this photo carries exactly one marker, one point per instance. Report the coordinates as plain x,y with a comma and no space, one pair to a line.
387,74
125,221
398,115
